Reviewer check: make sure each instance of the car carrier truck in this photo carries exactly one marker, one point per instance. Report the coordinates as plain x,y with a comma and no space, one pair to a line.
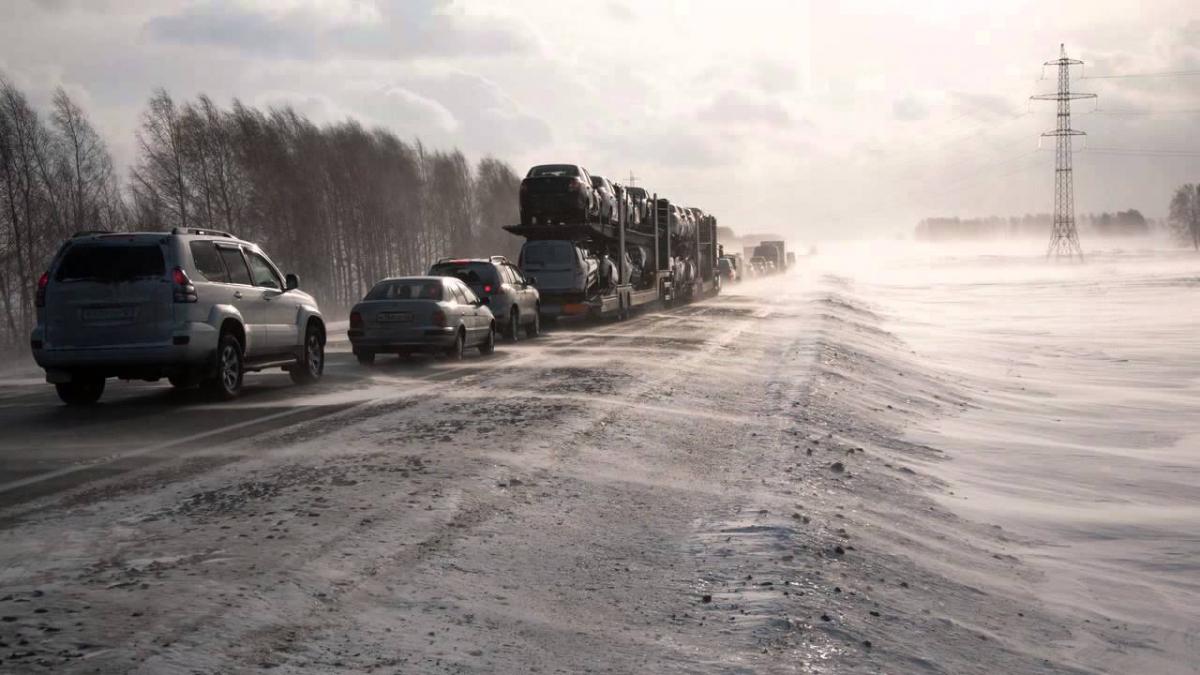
598,269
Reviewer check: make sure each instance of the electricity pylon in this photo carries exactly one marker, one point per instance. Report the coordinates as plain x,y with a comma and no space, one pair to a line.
1064,238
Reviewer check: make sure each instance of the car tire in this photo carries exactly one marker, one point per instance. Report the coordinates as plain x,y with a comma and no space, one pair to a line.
80,391
534,328
365,358
514,325
227,383
488,346
311,364
455,351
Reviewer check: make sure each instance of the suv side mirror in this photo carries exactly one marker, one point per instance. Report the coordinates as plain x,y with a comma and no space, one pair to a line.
291,282
532,281
483,301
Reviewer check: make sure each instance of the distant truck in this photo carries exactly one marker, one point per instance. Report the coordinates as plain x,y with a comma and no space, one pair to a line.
773,251
791,258
585,266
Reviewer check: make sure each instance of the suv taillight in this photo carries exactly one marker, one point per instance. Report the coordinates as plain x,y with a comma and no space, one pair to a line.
43,282
356,322
439,318
184,290
487,288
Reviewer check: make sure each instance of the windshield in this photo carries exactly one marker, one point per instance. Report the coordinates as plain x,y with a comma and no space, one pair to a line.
108,263
470,273
407,289
548,253
557,170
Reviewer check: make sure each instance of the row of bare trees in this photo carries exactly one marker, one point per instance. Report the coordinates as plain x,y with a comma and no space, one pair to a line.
340,204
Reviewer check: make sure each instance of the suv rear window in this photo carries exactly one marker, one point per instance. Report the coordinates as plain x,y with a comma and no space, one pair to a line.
556,170
470,273
111,263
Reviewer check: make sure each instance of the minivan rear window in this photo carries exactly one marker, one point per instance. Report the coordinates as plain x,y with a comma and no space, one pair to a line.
543,253
111,263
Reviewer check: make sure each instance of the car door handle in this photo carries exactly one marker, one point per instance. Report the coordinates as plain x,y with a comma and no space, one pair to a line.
237,294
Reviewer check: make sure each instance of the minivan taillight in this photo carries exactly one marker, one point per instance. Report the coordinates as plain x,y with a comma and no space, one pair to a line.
43,282
184,290
356,322
439,318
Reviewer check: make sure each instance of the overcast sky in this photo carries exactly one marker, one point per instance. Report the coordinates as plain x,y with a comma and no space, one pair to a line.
821,120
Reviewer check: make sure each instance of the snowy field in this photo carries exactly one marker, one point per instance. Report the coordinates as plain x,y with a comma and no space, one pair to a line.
897,459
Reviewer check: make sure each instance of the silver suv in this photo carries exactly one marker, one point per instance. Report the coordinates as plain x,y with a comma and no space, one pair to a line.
199,307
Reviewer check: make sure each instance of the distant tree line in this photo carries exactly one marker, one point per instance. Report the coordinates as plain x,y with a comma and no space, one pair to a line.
341,205
1120,224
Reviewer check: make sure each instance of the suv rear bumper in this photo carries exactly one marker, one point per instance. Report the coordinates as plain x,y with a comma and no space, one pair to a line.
188,349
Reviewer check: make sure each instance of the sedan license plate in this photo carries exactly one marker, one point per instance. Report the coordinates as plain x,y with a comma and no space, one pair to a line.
108,314
395,317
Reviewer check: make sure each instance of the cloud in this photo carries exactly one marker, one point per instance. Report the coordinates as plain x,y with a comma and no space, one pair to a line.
620,11
734,108
396,30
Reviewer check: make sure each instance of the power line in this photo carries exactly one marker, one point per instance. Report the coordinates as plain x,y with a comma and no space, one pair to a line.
1168,73
1147,152
1141,112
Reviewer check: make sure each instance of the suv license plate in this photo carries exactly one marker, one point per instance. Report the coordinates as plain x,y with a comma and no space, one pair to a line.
395,317
108,314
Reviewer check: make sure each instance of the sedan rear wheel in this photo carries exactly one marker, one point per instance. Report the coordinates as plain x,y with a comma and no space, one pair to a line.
455,351
514,325
489,344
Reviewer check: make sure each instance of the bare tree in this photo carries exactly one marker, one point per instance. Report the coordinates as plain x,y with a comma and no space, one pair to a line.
1185,213
159,179
90,181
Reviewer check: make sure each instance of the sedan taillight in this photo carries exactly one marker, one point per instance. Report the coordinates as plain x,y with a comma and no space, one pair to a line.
439,318
356,321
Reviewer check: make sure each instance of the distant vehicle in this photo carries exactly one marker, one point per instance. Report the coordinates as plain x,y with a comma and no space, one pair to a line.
727,269
642,205
199,307
791,258
608,199
512,297
553,193
759,265
773,251
625,200
410,314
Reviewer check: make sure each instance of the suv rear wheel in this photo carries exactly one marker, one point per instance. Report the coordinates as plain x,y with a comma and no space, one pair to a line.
311,364
228,380
80,391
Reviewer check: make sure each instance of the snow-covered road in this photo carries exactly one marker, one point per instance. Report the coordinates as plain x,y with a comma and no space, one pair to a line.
721,487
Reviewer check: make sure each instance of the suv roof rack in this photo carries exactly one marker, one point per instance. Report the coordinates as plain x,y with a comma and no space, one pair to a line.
201,231
86,233
498,259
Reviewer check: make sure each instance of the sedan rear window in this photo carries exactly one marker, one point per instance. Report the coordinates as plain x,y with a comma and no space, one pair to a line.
559,170
406,290
108,263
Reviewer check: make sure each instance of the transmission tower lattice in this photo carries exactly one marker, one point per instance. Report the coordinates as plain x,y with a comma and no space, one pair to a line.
1064,239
